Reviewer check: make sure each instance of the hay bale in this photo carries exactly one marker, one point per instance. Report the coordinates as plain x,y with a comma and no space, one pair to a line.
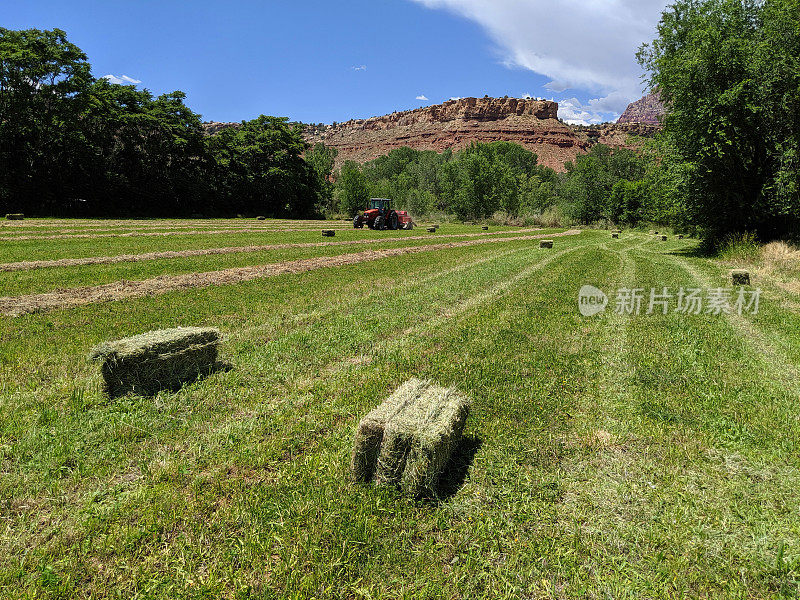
656,233
163,359
15,216
328,232
409,439
260,218
431,229
740,277
485,228
546,244
680,236
663,238
615,236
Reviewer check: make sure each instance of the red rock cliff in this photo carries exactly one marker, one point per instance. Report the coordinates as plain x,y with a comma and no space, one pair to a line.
455,124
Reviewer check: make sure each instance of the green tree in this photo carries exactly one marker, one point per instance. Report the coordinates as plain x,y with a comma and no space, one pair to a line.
43,82
322,159
352,189
259,168
729,71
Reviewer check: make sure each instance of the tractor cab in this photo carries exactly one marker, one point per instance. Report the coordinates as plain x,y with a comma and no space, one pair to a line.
382,205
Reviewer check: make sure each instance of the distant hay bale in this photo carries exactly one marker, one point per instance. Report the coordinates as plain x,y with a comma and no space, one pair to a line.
656,233
485,228
260,218
15,216
663,238
409,439
546,244
740,277
163,359
328,232
680,236
615,236
431,229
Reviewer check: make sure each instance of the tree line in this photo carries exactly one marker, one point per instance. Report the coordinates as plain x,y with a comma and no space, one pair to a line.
74,145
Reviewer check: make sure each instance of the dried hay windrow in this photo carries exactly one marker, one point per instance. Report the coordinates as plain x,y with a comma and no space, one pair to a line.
409,439
163,359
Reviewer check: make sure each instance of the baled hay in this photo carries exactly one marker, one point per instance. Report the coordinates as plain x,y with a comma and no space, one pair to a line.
546,244
680,236
663,238
433,446
740,277
15,216
260,218
157,360
615,236
431,229
422,426
485,228
328,232
369,435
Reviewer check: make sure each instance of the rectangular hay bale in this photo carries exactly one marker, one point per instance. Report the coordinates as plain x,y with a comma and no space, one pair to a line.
615,236
409,439
546,244
740,277
328,232
162,359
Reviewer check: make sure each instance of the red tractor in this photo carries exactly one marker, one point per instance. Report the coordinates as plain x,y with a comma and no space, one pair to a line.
381,215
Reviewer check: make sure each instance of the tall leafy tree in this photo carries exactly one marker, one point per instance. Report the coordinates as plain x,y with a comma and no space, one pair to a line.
729,71
43,82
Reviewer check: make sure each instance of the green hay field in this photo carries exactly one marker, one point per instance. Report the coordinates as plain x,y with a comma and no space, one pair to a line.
650,456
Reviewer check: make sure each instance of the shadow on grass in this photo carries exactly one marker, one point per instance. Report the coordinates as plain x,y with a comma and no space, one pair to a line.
458,468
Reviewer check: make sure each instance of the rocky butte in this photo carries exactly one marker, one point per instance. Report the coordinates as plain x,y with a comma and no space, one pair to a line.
455,124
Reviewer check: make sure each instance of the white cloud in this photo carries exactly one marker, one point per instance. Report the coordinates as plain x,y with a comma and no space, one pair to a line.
359,68
588,45
455,97
122,80
422,97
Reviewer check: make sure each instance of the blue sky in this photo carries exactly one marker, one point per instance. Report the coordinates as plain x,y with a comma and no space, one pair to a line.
322,61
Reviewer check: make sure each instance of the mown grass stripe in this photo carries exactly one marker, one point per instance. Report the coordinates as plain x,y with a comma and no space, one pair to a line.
18,305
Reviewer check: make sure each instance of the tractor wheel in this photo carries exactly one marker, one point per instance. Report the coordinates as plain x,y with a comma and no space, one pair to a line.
379,223
393,222
357,224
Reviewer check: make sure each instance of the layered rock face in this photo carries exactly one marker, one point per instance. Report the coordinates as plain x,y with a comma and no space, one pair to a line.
647,110
455,124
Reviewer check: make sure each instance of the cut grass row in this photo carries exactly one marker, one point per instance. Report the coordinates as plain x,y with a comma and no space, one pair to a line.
645,457
17,283
20,250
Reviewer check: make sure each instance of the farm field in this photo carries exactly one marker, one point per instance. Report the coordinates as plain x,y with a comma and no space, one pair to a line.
648,456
